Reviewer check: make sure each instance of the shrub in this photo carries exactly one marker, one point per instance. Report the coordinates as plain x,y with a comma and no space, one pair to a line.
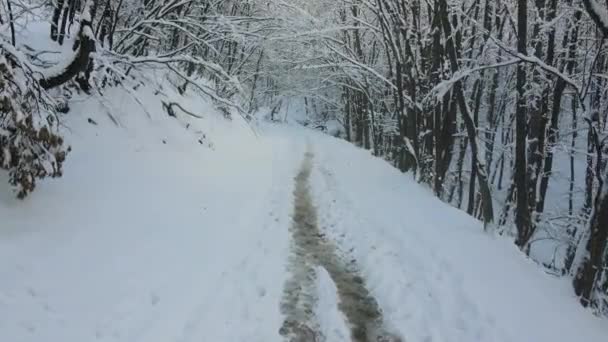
30,146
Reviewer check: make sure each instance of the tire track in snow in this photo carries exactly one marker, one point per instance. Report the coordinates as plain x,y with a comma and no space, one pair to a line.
299,297
311,248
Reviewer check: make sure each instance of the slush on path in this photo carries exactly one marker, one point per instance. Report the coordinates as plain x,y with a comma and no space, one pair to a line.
310,248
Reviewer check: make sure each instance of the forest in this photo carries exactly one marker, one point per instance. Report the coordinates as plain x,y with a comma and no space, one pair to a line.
499,107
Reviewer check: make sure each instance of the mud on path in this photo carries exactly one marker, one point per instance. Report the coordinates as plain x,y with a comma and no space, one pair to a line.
310,249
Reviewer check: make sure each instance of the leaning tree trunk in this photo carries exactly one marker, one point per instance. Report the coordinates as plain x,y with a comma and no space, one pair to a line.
482,178
11,22
82,58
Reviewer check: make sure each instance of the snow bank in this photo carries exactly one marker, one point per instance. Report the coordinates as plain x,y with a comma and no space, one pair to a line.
436,275
162,229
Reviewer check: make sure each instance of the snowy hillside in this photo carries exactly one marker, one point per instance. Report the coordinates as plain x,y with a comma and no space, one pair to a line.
151,236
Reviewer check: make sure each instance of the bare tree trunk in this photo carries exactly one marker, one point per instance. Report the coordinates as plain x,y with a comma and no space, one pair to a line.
55,20
11,22
522,210
484,188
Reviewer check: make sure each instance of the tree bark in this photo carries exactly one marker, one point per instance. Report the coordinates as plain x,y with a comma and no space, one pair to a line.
522,210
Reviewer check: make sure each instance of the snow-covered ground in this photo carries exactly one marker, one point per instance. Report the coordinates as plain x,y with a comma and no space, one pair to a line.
436,275
168,229
150,236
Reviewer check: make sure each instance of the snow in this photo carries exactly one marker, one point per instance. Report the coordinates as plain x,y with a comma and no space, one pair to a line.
176,229
332,321
436,275
147,241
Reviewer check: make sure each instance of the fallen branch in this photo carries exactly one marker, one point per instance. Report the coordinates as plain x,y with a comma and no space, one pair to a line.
168,106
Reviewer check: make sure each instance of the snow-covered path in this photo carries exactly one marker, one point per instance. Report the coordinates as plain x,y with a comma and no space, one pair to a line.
146,241
314,255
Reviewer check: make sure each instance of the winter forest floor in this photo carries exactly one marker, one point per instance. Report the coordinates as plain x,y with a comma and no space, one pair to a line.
285,234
